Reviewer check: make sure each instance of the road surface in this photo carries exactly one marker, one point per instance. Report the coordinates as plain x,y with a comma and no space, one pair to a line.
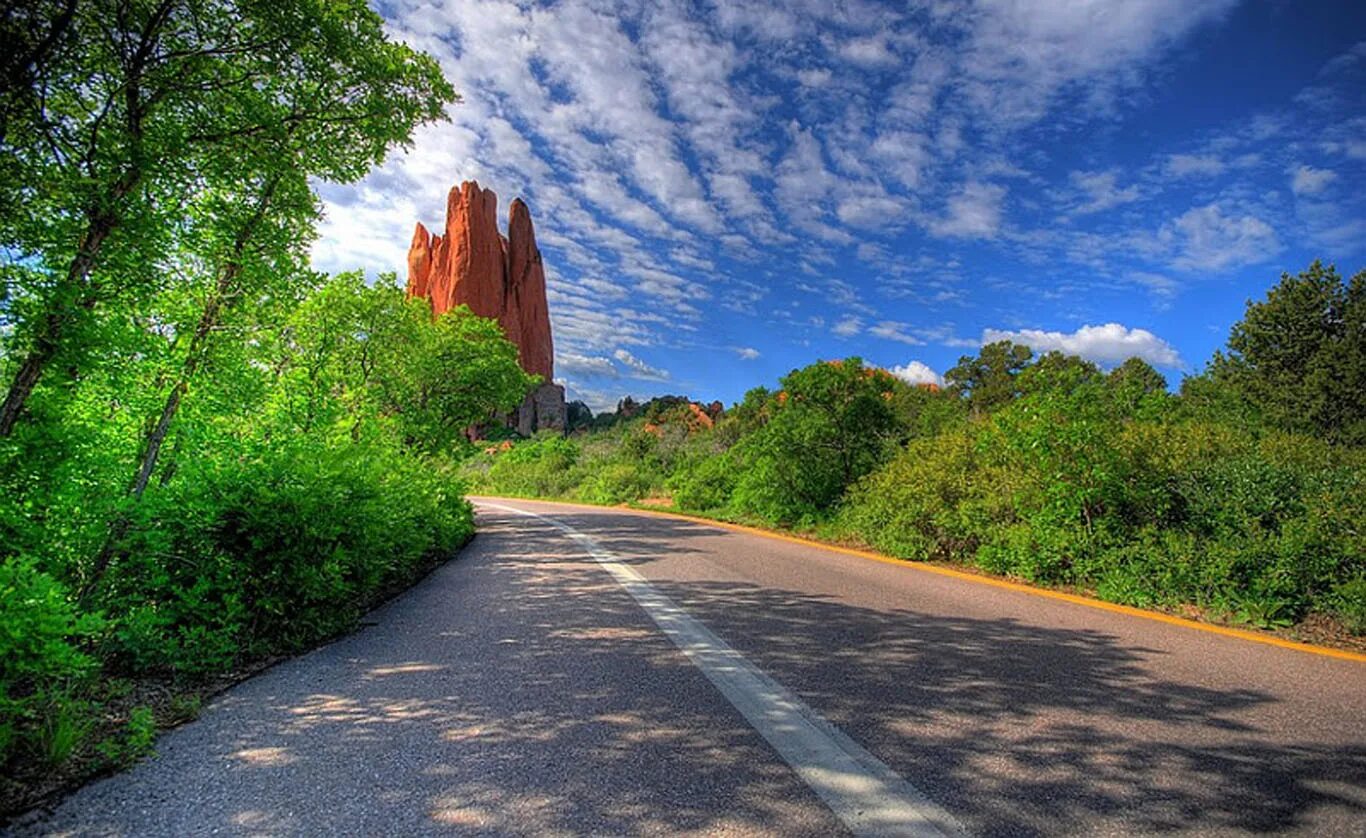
595,671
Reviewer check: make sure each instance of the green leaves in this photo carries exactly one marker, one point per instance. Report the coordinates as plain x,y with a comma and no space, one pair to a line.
1297,359
832,423
152,143
227,453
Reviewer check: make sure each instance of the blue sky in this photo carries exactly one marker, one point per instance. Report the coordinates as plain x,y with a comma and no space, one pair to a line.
726,191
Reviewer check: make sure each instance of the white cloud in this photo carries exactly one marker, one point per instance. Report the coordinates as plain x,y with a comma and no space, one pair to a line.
916,372
569,362
640,369
891,330
847,326
642,138
1023,53
1306,180
1099,191
1108,345
871,51
747,353
598,401
814,77
874,210
973,212
803,185
1208,238
1160,286
1186,165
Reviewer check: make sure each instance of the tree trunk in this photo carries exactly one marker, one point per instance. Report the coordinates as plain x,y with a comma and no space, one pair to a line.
156,438
49,337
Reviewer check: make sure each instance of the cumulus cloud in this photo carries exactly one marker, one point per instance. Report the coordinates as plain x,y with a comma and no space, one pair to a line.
657,145
814,76
1160,286
1046,48
746,353
847,326
1108,345
569,362
891,330
870,51
916,372
1099,191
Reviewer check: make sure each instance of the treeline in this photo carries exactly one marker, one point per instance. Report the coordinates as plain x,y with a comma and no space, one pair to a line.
209,454
1244,494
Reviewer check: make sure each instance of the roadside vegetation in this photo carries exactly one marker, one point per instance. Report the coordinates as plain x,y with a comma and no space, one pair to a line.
210,454
1243,494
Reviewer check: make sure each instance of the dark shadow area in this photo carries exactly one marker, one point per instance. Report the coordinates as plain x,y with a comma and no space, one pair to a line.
519,690
1021,729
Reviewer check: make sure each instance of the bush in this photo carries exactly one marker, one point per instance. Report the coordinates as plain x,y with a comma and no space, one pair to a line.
704,484
913,506
832,424
276,550
40,662
539,467
620,482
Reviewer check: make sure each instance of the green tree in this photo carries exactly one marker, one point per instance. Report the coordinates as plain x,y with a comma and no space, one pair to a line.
1138,390
353,351
831,424
988,380
1299,355
140,107
1056,370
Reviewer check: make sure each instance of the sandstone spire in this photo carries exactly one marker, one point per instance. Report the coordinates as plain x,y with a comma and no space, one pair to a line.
528,311
497,277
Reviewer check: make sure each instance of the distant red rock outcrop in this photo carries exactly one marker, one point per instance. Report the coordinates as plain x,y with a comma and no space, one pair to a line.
497,277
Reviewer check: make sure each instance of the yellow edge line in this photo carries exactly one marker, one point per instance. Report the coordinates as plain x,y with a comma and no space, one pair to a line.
1255,637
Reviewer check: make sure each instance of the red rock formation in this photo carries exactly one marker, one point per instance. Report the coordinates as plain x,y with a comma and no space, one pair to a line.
497,277
527,309
420,263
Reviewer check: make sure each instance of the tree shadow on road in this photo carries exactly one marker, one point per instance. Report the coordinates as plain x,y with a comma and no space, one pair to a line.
1020,728
519,690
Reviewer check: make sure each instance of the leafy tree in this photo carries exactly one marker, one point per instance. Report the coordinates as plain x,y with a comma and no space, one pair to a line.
927,411
577,416
1299,355
353,351
1138,389
1055,370
988,380
832,423
140,106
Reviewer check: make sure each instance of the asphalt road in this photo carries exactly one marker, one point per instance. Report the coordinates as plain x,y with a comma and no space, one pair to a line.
608,672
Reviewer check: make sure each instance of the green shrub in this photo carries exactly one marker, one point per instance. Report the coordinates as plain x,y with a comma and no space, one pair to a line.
616,483
704,484
912,507
539,467
832,424
276,550
40,663
133,742
1348,601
